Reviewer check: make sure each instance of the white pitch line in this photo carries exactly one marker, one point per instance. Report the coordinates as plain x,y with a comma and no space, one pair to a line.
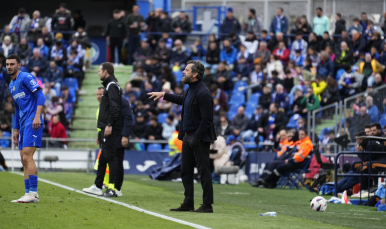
126,205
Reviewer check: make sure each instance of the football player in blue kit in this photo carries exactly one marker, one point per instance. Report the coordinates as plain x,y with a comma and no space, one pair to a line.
28,130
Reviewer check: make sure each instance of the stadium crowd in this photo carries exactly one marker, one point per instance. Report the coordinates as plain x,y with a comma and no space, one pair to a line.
290,71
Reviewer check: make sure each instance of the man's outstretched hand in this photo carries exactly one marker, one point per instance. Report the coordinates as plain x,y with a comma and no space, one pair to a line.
156,95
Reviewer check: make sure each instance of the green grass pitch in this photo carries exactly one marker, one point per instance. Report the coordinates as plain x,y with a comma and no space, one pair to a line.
235,206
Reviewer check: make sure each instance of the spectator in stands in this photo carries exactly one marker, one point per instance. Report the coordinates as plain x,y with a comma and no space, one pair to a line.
228,53
298,58
326,41
279,23
331,93
19,23
180,55
274,64
239,122
53,76
377,80
299,44
358,42
264,36
181,25
37,63
297,106
154,130
79,21
368,69
164,106
364,21
162,53
310,101
344,37
257,76
344,57
135,24
351,82
218,93
213,54
56,108
167,75
48,93
115,34
57,130
325,67
302,26
255,23
23,50
251,42
62,21
47,37
374,53
197,50
143,52
129,91
274,42
168,127
373,111
313,56
152,66
282,53
340,25
164,22
288,81
362,119
271,122
280,97
224,129
148,103
75,66
242,69
6,117
369,31
262,54
7,47
75,46
35,26
235,40
43,49
313,42
321,23
251,130
83,39
58,53
319,86
139,129
230,24
266,97
355,26
223,77
13,36
376,42
68,99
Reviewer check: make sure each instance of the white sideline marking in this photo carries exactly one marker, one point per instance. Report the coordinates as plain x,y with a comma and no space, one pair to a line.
126,205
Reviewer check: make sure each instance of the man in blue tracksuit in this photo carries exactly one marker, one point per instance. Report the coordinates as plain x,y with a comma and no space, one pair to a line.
230,24
279,23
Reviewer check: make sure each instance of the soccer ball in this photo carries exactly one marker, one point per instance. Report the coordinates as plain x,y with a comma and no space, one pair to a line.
318,204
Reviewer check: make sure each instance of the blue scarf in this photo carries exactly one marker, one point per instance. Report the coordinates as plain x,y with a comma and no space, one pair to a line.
55,53
278,23
17,24
35,23
299,45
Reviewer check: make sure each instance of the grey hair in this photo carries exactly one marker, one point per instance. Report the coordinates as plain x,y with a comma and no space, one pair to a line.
198,68
37,11
325,54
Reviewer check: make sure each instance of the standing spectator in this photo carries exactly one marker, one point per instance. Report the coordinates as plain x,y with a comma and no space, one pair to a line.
154,130
344,57
164,22
262,55
280,97
321,23
116,32
213,54
266,98
340,25
43,49
230,24
326,41
54,76
239,122
302,26
228,53
299,44
325,67
140,126
6,118
310,101
152,22
282,53
23,50
279,23
37,63
58,53
251,42
364,21
181,25
223,77
355,26
79,21
7,32
255,23
351,82
7,47
61,21
47,37
168,127
35,26
372,109
83,39
135,24
271,122
57,130
180,56
19,23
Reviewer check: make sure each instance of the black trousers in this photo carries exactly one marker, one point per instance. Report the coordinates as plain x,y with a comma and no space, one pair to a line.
196,153
108,155
283,167
120,172
116,42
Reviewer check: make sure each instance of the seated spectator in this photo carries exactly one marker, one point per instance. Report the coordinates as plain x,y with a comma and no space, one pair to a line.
344,56
298,107
266,97
241,69
82,38
325,67
326,41
75,46
75,66
374,53
351,82
37,63
299,44
164,106
243,52
12,36
44,50
282,53
377,80
288,82
355,26
369,31
129,91
67,99
274,80
274,64
138,76
142,52
257,76
180,55
162,53
47,37
274,42
197,50
23,50
35,26
221,157
239,122
375,41
154,130
344,38
319,86
40,83
147,103
310,101
262,55
58,53
168,40
218,93
298,58
208,77
223,77
271,122
313,42
139,129
303,77
330,52
181,25
368,68
6,118
4,143
56,108
57,130
362,118
280,97
49,93
168,127
230,23
358,43
314,56
251,42
152,66
54,76
235,40
228,53
225,128
7,47
372,109
213,54
252,126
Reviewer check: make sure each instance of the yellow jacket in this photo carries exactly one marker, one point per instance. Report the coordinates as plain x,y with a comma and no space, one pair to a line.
319,89
377,67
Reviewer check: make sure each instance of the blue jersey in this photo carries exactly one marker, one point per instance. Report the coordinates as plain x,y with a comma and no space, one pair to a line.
22,89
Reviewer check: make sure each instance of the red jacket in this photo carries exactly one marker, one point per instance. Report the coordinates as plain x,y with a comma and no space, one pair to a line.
285,56
57,131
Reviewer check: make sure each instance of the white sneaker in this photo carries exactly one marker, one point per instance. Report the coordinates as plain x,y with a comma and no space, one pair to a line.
16,201
93,190
31,197
119,192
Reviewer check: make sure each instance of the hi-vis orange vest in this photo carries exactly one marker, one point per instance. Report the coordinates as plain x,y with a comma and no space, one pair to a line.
304,150
284,146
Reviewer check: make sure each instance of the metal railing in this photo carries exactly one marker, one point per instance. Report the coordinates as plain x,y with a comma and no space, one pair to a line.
330,111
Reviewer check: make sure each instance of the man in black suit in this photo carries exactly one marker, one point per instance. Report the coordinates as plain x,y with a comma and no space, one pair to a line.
197,133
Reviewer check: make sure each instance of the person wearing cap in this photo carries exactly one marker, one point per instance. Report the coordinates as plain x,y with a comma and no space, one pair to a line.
197,132
279,23
181,25
135,25
115,34
229,24
255,23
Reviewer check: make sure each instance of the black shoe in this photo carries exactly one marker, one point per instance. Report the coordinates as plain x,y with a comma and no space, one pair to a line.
109,193
261,181
183,208
204,209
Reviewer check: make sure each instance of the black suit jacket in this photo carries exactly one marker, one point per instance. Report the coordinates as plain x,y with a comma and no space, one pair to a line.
201,108
127,120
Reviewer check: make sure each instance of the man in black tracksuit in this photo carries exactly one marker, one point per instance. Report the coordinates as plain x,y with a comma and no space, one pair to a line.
115,34
110,123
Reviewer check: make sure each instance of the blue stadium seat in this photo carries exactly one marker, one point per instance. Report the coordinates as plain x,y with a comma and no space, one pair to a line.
72,93
253,99
291,98
250,109
240,84
61,68
339,74
382,120
179,76
231,115
237,99
167,147
71,82
162,117
293,122
233,109
154,147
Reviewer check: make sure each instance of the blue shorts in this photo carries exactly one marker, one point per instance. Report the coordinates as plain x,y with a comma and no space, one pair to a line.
30,138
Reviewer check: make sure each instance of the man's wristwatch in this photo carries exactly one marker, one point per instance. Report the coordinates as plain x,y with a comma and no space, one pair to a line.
109,124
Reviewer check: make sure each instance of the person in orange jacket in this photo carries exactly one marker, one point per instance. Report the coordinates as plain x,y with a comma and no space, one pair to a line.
297,161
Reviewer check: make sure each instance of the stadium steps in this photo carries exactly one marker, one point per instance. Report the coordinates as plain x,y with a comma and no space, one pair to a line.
84,119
